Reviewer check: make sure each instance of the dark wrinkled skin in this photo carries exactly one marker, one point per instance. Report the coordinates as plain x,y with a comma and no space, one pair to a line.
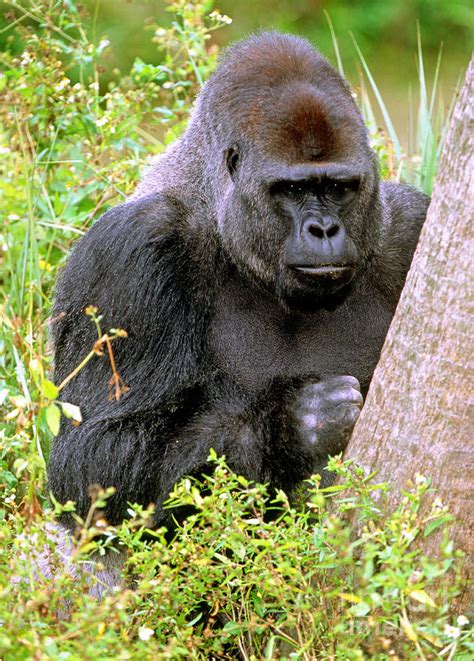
256,271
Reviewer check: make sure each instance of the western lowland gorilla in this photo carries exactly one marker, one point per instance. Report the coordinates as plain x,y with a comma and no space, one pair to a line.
255,270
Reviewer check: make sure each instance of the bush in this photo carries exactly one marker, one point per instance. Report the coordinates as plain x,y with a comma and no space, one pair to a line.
243,576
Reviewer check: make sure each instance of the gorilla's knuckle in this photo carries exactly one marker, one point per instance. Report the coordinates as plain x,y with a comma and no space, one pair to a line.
346,382
349,414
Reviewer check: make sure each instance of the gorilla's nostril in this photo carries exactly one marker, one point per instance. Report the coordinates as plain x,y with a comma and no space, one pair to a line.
323,233
317,231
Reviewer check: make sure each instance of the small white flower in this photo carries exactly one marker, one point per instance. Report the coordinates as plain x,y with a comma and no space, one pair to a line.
217,16
462,620
25,59
104,43
420,480
62,84
4,150
452,632
102,121
145,633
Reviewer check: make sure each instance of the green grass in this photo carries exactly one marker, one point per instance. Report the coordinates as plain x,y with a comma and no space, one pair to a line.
71,148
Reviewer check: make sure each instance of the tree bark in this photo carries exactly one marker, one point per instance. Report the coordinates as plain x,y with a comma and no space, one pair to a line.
418,416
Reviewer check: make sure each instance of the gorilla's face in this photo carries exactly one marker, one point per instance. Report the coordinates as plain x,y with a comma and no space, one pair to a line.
295,183
318,257
292,227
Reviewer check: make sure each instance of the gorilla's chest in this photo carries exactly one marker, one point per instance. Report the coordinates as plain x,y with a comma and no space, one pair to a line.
254,342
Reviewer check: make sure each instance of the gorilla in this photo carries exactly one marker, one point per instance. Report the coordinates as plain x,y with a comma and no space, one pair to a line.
256,271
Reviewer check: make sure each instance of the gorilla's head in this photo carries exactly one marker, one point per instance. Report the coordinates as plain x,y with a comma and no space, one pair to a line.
294,181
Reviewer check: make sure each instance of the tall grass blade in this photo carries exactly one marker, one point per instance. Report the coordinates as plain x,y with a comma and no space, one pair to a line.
385,114
335,44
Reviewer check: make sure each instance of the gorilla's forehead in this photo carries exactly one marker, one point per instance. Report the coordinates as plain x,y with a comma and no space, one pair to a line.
296,124
278,93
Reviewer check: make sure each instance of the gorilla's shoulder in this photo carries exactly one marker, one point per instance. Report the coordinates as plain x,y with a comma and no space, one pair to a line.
157,214
138,234
405,202
406,209
147,241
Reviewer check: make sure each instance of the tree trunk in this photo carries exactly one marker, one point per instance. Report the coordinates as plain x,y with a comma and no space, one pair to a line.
418,417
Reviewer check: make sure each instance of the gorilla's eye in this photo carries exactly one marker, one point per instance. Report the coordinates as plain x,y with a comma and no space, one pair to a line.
291,189
340,190
295,190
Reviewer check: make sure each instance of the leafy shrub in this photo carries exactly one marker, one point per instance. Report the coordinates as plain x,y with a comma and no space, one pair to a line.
244,577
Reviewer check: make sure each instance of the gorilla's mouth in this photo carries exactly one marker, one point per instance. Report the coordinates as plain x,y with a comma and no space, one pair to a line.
331,271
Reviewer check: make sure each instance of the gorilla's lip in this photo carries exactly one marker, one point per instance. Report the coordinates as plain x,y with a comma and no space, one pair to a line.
332,271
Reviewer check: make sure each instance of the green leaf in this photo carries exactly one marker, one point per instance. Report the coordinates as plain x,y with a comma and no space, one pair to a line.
53,418
360,610
423,597
232,627
49,390
436,523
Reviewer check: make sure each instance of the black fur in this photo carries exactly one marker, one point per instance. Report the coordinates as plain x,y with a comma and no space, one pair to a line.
230,344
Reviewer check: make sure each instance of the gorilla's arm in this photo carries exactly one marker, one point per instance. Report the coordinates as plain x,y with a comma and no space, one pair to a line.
135,268
281,437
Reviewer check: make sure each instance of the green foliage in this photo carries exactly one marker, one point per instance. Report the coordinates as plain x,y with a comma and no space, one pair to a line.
417,163
72,146
301,585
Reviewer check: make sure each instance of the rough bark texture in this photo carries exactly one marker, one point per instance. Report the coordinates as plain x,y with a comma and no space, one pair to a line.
418,416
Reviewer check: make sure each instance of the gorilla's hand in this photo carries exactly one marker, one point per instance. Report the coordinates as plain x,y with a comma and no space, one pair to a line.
325,414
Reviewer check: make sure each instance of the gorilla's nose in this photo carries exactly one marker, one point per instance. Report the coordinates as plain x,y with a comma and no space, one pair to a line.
323,228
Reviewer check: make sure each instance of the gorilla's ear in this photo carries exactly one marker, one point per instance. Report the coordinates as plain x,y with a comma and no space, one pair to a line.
232,157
